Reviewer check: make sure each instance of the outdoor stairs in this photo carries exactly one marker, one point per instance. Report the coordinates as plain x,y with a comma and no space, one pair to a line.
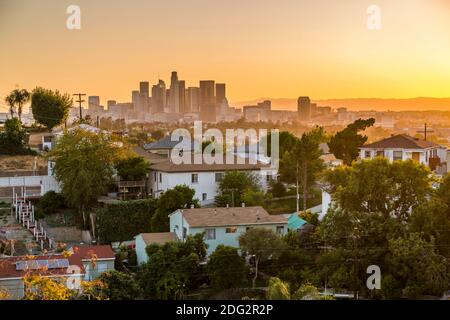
25,215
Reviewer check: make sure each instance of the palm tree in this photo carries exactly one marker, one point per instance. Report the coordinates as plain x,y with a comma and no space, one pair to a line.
17,97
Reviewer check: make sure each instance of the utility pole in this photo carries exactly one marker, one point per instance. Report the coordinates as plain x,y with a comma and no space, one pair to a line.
232,194
355,259
80,100
425,132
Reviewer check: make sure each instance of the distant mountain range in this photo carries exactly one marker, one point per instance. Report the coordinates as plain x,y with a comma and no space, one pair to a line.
411,104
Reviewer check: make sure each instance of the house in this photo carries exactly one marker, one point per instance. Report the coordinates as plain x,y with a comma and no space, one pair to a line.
203,178
224,225
85,263
142,240
403,147
165,146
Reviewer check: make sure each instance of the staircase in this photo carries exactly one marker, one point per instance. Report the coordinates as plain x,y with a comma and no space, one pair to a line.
25,215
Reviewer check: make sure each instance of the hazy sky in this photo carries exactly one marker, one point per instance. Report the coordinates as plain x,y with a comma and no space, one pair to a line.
260,48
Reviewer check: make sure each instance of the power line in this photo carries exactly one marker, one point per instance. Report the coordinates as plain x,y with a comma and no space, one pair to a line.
80,100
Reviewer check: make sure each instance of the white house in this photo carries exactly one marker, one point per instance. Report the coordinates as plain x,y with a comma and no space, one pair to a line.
203,178
142,240
224,225
403,147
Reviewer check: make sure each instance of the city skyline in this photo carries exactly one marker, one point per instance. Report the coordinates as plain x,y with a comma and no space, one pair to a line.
326,54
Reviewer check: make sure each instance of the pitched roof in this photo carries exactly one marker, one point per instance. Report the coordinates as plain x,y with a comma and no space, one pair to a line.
8,265
149,156
402,141
167,143
216,217
158,237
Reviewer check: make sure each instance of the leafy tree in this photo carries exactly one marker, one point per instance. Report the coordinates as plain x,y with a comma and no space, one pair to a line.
254,198
232,185
172,269
173,199
309,292
157,134
50,203
345,144
277,189
84,167
302,163
226,269
12,140
278,290
132,168
118,285
43,288
50,108
260,244
17,97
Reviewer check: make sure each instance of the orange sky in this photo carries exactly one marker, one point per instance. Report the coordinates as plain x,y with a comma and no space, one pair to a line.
260,48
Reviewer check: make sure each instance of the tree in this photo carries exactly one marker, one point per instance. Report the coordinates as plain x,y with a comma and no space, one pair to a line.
17,97
50,108
12,140
50,203
253,198
132,168
302,164
225,268
232,186
173,199
260,244
43,288
278,290
345,144
84,166
118,285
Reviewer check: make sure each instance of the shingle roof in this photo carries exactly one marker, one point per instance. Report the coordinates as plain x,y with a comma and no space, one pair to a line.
401,141
8,265
209,217
150,157
167,143
158,237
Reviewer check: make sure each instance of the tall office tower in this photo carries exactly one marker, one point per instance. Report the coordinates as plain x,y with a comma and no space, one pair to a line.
144,97
110,103
220,93
304,108
94,104
207,101
136,100
158,97
193,99
174,102
167,106
182,96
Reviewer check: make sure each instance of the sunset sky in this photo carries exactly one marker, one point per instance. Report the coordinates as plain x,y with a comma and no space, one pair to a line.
260,48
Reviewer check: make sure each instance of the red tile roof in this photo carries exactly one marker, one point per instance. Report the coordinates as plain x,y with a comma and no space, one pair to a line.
80,253
401,141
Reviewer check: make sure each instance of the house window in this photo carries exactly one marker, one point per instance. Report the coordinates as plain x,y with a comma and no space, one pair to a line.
231,230
204,196
367,154
280,229
160,177
380,153
194,178
398,155
210,234
219,176
184,232
268,177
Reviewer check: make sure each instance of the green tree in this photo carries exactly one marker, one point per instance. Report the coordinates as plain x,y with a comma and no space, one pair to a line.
12,140
260,244
253,198
225,268
173,199
278,290
232,186
17,97
84,166
50,108
302,164
132,168
118,285
345,144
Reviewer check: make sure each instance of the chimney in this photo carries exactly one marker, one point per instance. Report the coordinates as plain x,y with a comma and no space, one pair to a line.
243,204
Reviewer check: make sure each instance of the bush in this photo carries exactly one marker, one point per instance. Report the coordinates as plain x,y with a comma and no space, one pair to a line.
226,269
50,203
124,220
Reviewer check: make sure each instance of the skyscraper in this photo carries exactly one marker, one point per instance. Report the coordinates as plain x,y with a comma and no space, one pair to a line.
135,99
158,97
193,99
221,99
174,102
182,96
143,98
94,104
304,108
207,101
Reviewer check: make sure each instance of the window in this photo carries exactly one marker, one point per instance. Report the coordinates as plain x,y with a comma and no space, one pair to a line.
184,233
280,229
160,177
102,267
210,234
231,230
219,176
155,176
204,196
380,153
367,155
398,155
268,177
194,178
